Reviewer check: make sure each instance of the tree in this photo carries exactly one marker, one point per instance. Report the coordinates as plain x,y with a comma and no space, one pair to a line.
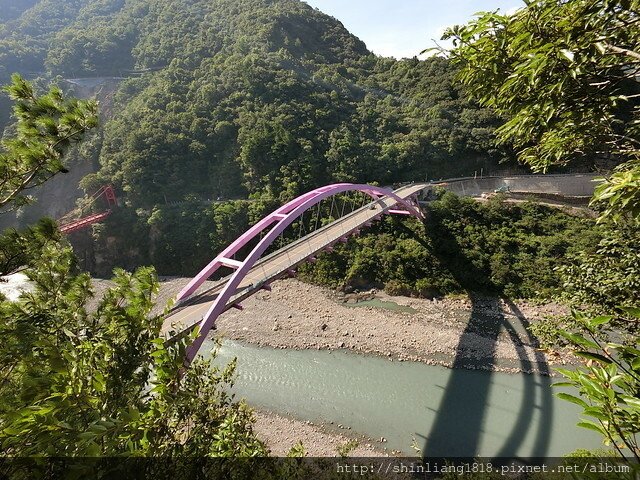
101,382
565,74
46,128
21,249
94,378
608,382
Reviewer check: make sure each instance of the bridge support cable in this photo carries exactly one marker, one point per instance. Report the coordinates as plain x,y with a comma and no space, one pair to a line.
67,225
245,279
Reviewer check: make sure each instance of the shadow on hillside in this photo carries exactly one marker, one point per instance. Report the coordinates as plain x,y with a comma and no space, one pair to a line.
460,427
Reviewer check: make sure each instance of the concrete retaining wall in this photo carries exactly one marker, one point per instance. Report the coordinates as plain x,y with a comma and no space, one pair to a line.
571,185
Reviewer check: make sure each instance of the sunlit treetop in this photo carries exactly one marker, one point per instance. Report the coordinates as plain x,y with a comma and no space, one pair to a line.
565,74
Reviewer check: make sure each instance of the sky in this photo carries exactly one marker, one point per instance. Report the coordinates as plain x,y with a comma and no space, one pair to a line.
403,28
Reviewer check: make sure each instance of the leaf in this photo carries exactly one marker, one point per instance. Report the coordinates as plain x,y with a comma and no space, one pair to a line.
68,333
573,375
588,424
572,399
97,428
601,320
594,356
577,339
93,450
632,401
563,384
633,311
596,412
593,389
134,414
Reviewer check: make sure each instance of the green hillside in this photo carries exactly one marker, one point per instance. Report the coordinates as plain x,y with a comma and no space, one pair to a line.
243,98
251,96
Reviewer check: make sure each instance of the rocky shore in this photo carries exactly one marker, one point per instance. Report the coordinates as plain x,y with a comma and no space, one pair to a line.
456,332
281,433
460,332
479,333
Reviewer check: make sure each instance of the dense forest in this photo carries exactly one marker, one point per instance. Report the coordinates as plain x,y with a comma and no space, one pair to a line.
252,102
237,99
495,248
249,97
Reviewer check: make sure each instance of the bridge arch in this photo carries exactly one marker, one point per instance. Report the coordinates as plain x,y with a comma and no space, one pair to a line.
277,221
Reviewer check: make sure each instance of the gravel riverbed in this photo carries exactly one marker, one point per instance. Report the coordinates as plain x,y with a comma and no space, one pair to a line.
281,433
479,333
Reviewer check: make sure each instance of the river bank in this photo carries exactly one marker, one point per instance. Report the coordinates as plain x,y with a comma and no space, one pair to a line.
310,328
281,433
464,334
479,333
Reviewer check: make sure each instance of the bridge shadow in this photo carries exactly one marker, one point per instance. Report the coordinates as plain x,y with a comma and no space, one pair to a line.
460,427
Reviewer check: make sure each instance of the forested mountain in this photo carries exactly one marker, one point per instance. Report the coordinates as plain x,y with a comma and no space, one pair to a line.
238,98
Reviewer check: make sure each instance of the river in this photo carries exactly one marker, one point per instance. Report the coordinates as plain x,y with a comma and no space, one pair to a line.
443,412
439,411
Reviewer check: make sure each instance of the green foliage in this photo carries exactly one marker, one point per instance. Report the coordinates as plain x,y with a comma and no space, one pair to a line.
185,237
396,287
85,377
252,97
564,74
179,238
21,249
604,286
495,248
272,124
608,384
47,126
608,278
100,381
619,192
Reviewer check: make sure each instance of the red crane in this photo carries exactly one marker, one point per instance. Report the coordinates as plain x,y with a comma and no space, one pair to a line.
109,195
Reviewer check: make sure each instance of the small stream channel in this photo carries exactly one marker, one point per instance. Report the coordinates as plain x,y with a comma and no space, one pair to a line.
493,415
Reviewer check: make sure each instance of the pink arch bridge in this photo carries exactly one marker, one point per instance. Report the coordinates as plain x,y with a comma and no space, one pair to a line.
256,272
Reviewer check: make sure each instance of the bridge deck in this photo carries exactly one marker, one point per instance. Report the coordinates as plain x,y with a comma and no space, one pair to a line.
84,222
184,317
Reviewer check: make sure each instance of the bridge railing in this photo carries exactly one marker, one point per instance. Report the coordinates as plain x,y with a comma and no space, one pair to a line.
266,269
290,262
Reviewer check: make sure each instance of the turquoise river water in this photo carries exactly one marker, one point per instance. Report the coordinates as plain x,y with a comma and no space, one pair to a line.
443,412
